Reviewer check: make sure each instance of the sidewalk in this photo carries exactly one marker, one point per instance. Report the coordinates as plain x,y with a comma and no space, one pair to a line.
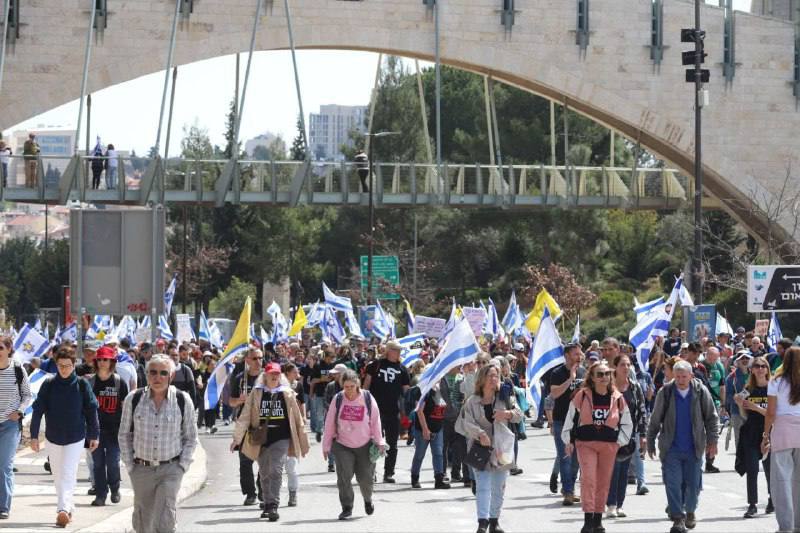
34,505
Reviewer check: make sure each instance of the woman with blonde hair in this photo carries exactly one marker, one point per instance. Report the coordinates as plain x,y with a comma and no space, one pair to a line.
481,412
782,439
598,423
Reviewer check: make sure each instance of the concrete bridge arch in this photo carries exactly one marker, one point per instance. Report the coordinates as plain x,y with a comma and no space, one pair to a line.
752,128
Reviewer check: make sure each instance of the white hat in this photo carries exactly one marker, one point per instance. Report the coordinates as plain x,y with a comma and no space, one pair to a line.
519,347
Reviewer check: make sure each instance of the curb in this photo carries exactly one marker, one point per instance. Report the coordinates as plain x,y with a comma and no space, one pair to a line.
192,482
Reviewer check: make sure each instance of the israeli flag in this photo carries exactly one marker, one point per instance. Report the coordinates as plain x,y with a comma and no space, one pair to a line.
100,323
35,381
513,319
546,353
654,324
315,314
29,343
38,326
169,295
685,297
642,310
451,322
412,348
126,329
352,324
410,317
57,335
264,337
70,333
774,333
204,332
493,326
331,327
576,335
339,303
383,323
459,350
723,326
217,339
280,328
163,328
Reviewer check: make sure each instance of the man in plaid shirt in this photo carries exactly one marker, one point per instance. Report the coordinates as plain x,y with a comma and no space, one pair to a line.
157,438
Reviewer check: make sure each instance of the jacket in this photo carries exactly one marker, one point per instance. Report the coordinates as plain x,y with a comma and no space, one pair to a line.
619,417
249,418
705,422
472,422
70,410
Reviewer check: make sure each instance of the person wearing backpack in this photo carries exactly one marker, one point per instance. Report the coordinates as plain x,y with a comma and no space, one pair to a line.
598,423
157,439
353,432
15,396
70,410
110,390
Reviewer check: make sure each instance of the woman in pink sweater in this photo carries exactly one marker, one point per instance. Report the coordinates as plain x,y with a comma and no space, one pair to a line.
352,427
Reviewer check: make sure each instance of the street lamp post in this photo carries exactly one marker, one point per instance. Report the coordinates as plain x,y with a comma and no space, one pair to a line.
372,209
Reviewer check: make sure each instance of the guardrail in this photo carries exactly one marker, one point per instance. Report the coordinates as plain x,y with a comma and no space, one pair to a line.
50,179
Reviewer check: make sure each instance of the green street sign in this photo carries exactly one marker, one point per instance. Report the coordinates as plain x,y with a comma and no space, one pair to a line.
385,270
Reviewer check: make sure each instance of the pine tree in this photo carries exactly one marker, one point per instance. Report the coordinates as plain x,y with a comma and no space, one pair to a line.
298,150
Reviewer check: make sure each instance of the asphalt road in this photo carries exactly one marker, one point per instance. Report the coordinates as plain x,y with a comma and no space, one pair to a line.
529,505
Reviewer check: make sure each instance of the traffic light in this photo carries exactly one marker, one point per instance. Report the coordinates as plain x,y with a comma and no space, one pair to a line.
690,35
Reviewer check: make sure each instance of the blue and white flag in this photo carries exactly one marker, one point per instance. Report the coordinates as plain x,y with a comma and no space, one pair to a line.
654,324
331,327
280,327
126,329
451,322
642,310
410,317
101,323
169,295
164,331
239,344
38,326
352,324
576,335
35,381
204,332
513,319
459,350
70,333
339,303
774,333
493,326
723,326
315,314
29,343
412,348
546,353
264,337
217,339
57,335
381,323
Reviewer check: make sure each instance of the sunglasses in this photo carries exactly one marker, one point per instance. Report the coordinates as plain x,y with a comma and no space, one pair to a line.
162,373
760,366
603,374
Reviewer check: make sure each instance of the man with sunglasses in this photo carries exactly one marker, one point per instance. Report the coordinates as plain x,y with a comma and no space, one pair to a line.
157,438
564,381
241,384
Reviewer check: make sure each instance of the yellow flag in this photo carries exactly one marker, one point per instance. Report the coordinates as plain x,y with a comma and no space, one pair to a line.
543,299
299,323
240,340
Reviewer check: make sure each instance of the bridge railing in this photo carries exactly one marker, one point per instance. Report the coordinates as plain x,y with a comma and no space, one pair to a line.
337,182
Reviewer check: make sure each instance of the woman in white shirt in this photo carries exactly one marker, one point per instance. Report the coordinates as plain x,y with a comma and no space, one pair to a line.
782,438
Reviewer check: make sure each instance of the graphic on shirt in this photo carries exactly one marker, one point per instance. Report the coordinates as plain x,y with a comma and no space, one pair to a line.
272,411
601,409
389,374
107,400
352,413
438,412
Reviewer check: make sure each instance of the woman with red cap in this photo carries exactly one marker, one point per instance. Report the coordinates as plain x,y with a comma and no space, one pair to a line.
269,429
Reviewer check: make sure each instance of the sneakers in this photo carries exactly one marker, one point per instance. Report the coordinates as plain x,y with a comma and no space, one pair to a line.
611,511
711,469
388,478
415,482
270,513
678,526
346,513
115,497
515,471
63,518
538,424
250,499
91,492
494,526
483,525
331,468
97,502
292,498
213,429
368,507
440,482
570,499
690,521
770,508
456,476
3,515
752,511
621,513
554,484
641,491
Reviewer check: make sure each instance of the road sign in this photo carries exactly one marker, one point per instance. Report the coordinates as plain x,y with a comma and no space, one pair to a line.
773,288
385,271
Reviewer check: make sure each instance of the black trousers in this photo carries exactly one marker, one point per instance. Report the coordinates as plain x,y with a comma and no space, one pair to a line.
249,483
455,446
390,422
752,456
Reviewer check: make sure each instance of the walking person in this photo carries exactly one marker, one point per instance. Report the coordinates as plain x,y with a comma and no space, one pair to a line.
482,411
353,433
110,391
111,164
70,410
320,378
270,428
241,384
157,439
97,164
687,427
598,423
626,384
209,415
454,443
782,439
15,396
331,390
292,477
387,379
753,404
428,422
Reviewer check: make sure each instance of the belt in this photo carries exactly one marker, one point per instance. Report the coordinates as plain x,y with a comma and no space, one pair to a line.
145,462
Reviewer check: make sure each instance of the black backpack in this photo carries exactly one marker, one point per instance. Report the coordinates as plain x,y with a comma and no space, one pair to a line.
137,397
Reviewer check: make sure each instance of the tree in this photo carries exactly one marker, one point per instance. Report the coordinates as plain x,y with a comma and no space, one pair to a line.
228,303
560,282
275,150
298,150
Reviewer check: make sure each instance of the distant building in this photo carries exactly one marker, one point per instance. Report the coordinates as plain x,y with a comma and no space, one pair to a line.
20,223
782,9
54,142
265,140
330,129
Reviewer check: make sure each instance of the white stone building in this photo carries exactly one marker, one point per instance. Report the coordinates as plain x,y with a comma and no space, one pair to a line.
330,129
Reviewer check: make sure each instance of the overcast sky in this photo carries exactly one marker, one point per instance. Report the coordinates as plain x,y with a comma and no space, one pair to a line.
127,114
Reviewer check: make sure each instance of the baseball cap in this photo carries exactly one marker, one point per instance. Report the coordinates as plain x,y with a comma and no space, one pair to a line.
394,345
338,369
92,345
743,353
593,356
273,368
740,329
518,347
106,352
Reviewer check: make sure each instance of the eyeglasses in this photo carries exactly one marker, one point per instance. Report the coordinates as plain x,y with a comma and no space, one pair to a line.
601,375
760,366
3,347
154,373
65,366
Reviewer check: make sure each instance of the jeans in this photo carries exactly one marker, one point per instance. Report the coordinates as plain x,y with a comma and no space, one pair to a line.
9,440
111,177
568,466
106,466
682,474
490,488
317,414
421,446
454,444
390,422
619,483
637,463
785,484
292,477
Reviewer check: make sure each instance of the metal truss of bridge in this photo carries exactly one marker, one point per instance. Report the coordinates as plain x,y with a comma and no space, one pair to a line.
289,183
